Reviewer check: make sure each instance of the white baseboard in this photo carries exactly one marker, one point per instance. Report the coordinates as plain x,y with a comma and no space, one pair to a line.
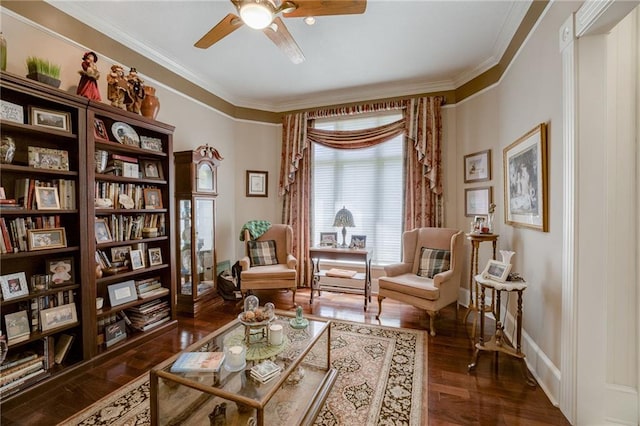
621,405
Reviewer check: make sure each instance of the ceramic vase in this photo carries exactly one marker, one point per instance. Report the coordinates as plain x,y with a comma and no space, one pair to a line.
150,104
507,255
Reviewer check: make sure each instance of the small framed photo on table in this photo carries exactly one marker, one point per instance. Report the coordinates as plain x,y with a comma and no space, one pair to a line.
358,242
328,239
496,271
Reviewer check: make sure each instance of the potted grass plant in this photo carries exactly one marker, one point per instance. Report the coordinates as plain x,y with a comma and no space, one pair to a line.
43,71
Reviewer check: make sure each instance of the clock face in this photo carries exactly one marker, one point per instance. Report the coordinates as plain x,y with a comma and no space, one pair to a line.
206,178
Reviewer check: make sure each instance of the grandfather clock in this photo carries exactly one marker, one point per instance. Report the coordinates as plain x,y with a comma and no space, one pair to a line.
196,190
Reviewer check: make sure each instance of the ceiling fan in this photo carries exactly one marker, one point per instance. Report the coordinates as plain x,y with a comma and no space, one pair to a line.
263,15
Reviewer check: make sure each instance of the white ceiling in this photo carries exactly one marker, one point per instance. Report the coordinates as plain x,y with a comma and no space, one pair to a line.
396,48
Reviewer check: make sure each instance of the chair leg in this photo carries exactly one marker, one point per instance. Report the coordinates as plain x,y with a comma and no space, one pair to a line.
294,297
380,299
432,327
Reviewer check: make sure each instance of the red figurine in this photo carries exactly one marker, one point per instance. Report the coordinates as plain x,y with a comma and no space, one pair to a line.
88,86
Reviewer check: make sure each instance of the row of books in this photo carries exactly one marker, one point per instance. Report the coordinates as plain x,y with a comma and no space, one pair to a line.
25,192
149,315
24,369
14,231
105,322
112,191
126,227
150,287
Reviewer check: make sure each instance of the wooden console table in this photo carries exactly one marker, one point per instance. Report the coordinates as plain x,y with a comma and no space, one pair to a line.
329,253
497,342
474,306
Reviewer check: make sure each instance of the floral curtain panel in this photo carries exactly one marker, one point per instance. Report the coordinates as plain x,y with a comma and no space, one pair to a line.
422,125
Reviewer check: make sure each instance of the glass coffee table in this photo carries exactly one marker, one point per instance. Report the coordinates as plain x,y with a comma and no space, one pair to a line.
295,396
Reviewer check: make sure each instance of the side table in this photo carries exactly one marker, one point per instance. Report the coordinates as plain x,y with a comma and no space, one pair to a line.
476,239
497,343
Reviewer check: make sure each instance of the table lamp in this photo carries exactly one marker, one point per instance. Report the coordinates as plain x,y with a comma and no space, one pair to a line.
344,218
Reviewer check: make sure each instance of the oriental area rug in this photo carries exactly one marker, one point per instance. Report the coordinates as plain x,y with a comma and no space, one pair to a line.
381,380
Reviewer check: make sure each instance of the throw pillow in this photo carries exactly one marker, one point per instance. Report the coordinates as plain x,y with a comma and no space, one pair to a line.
262,253
433,261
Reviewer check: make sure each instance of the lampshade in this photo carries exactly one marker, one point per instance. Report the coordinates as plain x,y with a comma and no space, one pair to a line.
257,15
344,218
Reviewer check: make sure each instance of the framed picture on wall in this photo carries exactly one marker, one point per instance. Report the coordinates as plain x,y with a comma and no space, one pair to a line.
477,166
257,183
526,180
477,200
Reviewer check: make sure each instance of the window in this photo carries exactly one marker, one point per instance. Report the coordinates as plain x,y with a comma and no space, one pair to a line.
368,182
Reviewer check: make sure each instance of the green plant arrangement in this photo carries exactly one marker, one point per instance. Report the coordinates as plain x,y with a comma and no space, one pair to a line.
44,71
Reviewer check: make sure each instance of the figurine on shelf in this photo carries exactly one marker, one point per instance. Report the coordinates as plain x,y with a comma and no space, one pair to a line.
118,90
136,91
89,75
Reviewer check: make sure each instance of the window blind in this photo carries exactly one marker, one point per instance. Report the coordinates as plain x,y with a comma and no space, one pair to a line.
368,182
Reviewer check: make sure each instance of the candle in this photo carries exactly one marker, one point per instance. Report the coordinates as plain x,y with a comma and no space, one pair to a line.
235,357
275,334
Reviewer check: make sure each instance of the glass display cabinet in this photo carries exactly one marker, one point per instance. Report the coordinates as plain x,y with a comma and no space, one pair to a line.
196,191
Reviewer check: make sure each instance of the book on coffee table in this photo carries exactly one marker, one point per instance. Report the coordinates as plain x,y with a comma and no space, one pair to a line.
198,362
265,371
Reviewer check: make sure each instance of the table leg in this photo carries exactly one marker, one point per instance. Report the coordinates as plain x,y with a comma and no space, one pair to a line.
314,278
476,353
473,289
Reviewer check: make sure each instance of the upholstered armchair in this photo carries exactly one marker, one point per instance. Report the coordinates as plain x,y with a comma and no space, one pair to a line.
268,262
429,275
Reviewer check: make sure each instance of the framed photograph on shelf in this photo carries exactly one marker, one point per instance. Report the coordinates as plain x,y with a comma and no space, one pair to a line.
11,112
14,285
496,271
155,256
120,254
137,262
151,169
257,183
46,158
43,239
526,180
58,120
477,166
18,326
329,239
358,242
47,198
61,271
152,144
152,198
477,200
59,316
122,293
100,130
103,234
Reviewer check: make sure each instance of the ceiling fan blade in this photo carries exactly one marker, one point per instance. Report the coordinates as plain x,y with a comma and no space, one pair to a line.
229,24
281,37
326,7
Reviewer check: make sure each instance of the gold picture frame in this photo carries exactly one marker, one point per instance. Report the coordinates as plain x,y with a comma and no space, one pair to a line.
526,178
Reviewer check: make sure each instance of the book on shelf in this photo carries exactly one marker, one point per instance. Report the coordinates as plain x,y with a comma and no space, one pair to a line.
161,291
18,359
63,345
23,363
23,382
22,371
200,362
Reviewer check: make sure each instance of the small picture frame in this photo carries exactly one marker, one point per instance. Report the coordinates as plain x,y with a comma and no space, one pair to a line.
47,198
120,254
151,169
257,183
477,200
137,261
11,112
46,158
103,234
496,271
14,285
152,198
100,130
18,326
122,293
358,242
155,256
58,120
328,239
3,194
478,223
59,316
43,239
152,144
477,166
61,271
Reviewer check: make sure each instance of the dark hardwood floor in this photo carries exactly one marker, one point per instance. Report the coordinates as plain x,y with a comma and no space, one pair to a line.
495,394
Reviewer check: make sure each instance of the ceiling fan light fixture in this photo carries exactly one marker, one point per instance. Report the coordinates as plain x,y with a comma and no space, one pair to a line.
257,15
